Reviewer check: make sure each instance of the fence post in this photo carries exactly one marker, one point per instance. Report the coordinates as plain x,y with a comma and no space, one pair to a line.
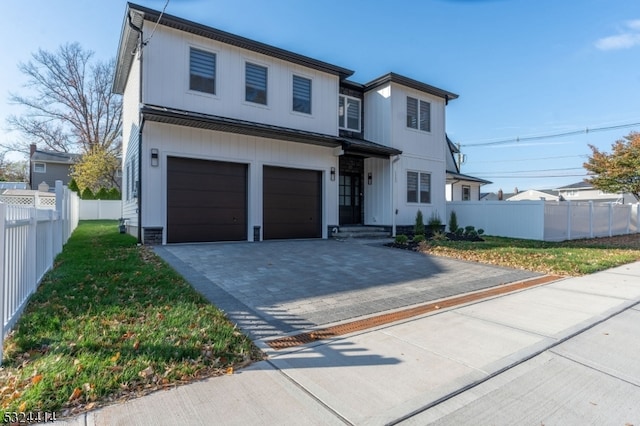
58,225
610,219
590,219
568,220
3,218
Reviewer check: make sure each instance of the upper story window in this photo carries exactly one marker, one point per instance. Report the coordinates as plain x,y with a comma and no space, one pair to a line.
301,94
202,71
39,167
255,83
418,114
349,113
418,187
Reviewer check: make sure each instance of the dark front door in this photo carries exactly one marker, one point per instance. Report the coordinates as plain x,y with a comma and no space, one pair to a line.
350,187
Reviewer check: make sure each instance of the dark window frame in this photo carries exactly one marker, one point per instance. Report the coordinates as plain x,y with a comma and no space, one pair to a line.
301,94
202,71
256,85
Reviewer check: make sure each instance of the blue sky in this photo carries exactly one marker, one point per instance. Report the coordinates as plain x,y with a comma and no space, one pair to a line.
522,68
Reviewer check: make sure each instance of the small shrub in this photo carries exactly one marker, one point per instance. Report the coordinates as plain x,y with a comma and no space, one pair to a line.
401,239
102,194
453,222
439,236
418,238
480,231
468,229
459,232
73,186
434,220
418,228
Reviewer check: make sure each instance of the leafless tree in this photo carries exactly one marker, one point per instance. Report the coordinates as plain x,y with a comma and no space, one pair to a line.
69,106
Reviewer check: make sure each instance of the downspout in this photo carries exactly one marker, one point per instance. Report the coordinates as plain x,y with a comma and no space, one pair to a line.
141,121
393,198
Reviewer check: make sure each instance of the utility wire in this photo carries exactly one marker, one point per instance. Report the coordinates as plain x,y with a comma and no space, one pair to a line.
527,171
554,135
156,25
530,159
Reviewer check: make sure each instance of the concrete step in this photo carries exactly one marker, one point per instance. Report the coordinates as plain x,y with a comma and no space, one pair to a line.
361,232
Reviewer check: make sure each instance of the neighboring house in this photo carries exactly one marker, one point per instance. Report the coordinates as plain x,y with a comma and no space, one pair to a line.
460,187
534,194
226,138
584,191
49,166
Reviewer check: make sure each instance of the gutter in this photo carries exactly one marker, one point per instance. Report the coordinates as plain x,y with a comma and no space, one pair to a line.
141,121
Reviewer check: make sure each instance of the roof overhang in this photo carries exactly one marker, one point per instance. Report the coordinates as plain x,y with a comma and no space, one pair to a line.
453,176
408,82
231,125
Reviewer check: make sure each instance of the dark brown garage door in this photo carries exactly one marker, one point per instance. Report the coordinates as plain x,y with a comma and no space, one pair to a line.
292,203
206,201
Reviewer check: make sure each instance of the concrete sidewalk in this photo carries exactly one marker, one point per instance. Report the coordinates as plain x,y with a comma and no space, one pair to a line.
561,353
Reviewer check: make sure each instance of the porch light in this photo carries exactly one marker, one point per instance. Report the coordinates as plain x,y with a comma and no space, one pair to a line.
333,173
369,178
155,157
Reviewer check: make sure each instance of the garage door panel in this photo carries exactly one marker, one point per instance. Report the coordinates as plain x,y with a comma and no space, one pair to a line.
292,203
206,200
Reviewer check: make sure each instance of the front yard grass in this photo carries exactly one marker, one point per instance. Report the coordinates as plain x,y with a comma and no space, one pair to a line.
112,321
577,257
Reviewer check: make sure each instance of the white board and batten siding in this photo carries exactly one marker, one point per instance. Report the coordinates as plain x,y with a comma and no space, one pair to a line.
130,130
166,66
385,123
235,148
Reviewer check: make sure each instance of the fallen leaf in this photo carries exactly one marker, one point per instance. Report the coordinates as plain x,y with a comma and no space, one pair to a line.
147,372
116,357
35,380
22,407
136,345
229,371
75,394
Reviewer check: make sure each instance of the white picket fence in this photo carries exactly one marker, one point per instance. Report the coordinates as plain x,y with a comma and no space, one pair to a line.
100,209
30,239
547,220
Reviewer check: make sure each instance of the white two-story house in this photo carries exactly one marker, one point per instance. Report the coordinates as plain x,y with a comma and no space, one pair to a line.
230,139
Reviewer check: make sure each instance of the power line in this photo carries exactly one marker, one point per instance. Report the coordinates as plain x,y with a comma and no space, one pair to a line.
554,135
534,177
531,159
528,171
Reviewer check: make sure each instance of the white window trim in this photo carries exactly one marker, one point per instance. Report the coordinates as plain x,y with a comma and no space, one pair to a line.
298,113
188,77
417,129
38,163
406,189
244,84
347,97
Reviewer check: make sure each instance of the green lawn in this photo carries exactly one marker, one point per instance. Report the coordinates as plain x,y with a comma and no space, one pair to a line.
109,322
576,257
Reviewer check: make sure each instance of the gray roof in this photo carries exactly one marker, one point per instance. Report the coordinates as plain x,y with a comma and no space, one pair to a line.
578,185
135,15
414,84
54,157
232,125
460,176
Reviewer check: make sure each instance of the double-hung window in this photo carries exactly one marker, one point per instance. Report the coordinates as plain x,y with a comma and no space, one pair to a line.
418,187
418,114
301,94
39,167
349,113
202,71
255,83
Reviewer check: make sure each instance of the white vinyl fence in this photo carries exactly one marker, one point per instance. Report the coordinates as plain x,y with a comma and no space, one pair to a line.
100,209
30,239
547,220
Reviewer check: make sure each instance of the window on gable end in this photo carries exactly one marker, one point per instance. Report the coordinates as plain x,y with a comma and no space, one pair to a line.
202,71
301,94
349,113
255,83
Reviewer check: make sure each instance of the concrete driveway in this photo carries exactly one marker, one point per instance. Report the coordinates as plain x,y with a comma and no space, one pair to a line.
277,288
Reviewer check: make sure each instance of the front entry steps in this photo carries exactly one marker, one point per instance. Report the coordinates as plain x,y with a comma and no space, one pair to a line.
361,231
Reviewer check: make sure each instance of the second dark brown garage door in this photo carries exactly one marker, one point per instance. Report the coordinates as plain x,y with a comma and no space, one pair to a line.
206,201
292,203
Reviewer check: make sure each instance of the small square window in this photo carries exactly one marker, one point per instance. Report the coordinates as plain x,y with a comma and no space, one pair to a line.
39,167
418,114
256,84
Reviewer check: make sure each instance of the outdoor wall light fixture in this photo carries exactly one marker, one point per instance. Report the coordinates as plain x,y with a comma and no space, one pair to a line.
333,173
369,178
155,157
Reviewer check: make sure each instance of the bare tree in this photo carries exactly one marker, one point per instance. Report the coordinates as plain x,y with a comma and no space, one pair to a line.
70,107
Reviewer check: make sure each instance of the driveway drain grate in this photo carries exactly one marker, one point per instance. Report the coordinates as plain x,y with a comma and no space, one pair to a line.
364,324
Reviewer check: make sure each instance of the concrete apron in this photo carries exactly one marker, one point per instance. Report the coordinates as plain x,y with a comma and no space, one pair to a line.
396,372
